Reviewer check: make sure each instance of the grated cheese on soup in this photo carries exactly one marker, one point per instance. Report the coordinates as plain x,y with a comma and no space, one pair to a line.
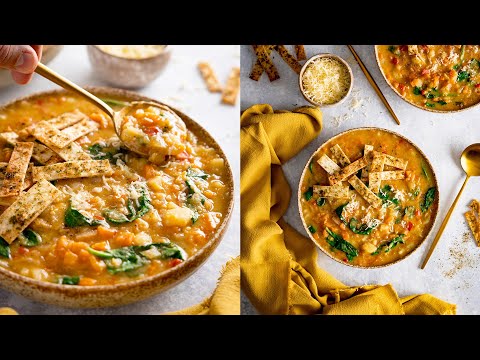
326,80
132,51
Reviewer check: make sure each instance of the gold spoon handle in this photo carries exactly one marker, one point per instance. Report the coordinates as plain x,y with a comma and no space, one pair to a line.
58,79
444,224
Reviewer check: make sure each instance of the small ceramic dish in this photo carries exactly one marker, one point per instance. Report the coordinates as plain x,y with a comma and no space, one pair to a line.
314,58
128,72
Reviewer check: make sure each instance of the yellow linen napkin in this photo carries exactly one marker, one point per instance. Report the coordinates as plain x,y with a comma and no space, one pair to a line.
7,311
225,299
279,271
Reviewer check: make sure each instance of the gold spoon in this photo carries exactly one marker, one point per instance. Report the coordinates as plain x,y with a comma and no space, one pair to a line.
116,116
470,161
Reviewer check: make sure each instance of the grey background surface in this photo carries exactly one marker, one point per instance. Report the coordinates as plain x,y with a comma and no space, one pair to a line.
180,86
452,272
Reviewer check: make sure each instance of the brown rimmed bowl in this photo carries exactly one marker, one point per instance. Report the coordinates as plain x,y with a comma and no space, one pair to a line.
327,143
412,103
136,290
325,55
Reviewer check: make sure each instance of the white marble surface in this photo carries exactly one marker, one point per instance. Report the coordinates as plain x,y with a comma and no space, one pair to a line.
180,86
452,272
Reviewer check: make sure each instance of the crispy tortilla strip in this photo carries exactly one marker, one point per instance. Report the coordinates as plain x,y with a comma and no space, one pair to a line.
209,76
328,165
26,208
72,170
27,182
288,58
368,153
80,129
9,137
365,192
7,200
67,119
393,161
257,69
300,52
348,171
473,224
230,92
386,175
475,206
376,166
263,53
16,169
336,191
50,135
71,152
339,156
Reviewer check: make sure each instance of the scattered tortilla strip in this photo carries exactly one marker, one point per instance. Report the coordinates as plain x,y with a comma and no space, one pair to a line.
26,208
393,161
348,171
80,129
263,53
44,155
365,192
288,58
386,175
475,206
376,166
336,191
473,223
7,200
339,156
368,153
16,169
230,92
257,69
211,80
300,52
328,165
50,135
72,170
9,137
71,152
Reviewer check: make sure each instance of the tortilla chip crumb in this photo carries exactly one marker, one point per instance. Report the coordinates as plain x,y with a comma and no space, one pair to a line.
230,92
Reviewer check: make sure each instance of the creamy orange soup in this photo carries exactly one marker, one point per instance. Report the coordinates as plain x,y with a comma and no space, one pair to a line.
438,77
352,230
140,221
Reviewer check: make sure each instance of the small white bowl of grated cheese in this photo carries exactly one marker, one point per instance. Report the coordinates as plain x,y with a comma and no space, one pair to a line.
325,80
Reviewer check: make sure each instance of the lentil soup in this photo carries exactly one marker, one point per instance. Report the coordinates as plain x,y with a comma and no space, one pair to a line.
433,77
359,225
137,220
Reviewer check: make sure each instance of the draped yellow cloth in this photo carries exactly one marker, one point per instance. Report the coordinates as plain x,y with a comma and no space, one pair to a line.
279,271
225,299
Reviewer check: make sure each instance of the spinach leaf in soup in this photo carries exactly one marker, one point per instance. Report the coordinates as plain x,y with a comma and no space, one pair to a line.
29,238
463,76
309,193
74,218
196,173
69,280
389,245
428,199
4,249
129,258
143,203
310,167
417,90
363,229
99,152
312,229
337,242
321,201
387,196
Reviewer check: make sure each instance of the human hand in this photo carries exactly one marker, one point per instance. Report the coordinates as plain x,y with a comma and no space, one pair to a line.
21,60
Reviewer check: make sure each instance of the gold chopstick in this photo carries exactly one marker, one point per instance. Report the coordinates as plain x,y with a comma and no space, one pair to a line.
373,83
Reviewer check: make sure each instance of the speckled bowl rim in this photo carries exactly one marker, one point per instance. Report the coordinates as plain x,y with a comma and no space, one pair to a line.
204,252
165,49
324,55
321,147
412,103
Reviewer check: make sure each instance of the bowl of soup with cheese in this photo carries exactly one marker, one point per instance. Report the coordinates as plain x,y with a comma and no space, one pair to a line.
85,222
368,197
438,78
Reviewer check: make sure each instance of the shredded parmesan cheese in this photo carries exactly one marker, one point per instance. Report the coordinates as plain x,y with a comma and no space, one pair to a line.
326,80
132,51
